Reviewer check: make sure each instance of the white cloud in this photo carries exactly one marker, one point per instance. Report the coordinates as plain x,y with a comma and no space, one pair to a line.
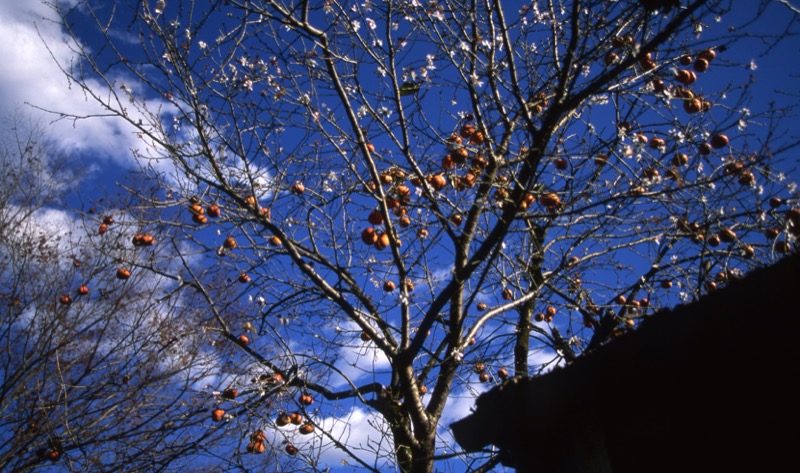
357,363
365,434
33,45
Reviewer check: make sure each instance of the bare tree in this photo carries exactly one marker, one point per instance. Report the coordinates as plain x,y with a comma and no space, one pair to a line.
100,364
440,194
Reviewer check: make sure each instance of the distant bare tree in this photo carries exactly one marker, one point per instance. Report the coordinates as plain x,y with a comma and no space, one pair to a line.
99,373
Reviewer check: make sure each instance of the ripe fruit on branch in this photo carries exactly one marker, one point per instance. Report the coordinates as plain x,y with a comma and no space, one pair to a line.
501,194
437,181
746,178
102,229
466,131
646,63
502,373
365,337
403,191
388,286
199,219
705,149
141,239
477,138
481,306
484,377
727,235
243,340
708,55
650,173
383,241
275,240
369,236
719,141
656,142
213,210
123,273
256,447
296,418
700,65
298,188
658,85
244,278
283,420
692,105
621,41
196,209
561,164
53,455
83,290
527,201
306,428
479,163
229,243
230,393
448,163
686,77
454,140
217,414
549,199
680,159
507,294
775,202
306,399
65,300
375,217
291,449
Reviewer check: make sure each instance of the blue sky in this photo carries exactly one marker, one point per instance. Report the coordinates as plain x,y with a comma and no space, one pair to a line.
34,44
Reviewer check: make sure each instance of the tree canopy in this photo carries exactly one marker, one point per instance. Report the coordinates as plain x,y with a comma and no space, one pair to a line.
374,209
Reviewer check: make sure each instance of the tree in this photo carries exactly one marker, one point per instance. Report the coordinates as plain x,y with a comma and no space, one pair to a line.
99,373
453,191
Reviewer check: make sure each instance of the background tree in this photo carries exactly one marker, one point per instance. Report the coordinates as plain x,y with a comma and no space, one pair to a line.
452,192
99,372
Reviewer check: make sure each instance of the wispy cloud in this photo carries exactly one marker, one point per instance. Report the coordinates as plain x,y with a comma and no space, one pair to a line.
34,45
